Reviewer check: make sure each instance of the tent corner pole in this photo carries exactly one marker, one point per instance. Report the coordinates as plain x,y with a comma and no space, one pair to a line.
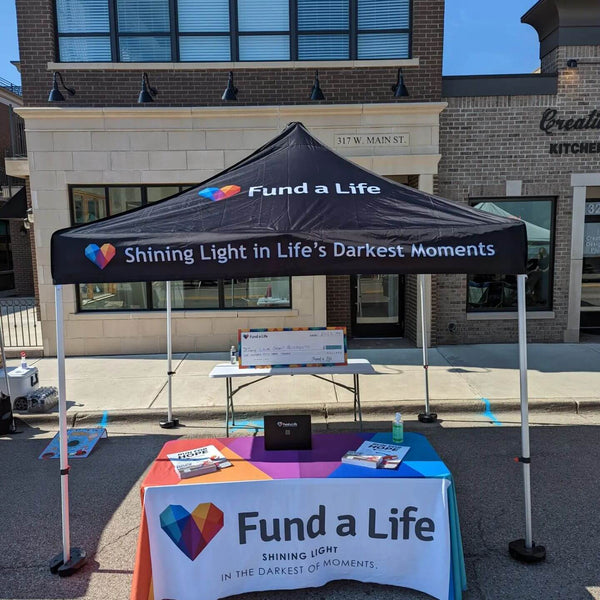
427,416
525,549
170,422
70,559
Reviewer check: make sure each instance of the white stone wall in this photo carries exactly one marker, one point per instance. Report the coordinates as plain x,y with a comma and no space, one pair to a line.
154,145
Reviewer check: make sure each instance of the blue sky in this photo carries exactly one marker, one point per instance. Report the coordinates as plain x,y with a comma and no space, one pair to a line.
480,37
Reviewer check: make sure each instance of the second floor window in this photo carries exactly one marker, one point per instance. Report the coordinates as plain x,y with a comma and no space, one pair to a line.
231,30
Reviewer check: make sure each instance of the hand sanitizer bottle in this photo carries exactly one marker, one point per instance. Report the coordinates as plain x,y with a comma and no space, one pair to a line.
233,355
397,429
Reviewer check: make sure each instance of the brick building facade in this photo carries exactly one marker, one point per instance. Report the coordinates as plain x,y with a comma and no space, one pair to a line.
475,140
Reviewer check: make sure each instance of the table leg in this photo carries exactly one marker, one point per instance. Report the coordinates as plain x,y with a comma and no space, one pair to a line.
227,384
357,400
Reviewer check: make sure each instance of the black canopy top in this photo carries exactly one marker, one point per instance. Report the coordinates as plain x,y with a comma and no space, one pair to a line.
293,207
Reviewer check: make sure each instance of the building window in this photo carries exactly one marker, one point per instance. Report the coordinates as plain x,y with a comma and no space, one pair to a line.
232,30
491,292
89,203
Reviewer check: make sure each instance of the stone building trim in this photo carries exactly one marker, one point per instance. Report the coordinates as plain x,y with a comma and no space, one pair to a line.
208,66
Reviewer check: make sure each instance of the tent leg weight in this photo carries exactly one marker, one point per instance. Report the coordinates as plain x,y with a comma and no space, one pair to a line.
66,569
428,417
519,551
174,422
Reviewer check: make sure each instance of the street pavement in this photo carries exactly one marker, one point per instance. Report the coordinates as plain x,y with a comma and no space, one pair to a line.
474,389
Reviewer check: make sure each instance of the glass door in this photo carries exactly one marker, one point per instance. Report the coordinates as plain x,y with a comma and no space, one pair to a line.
590,280
377,310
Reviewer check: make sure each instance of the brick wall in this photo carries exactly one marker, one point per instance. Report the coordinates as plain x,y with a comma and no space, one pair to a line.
4,132
338,302
37,45
21,255
485,141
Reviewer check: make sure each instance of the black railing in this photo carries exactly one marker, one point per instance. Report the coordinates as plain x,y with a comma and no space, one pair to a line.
18,145
11,87
19,322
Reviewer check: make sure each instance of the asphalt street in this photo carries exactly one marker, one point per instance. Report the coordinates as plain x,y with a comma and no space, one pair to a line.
479,450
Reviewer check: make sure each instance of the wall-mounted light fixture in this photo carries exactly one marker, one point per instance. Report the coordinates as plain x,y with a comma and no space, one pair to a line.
55,94
316,92
399,89
230,93
147,93
572,63
28,220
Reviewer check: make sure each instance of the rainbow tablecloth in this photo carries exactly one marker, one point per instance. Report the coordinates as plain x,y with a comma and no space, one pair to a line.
289,519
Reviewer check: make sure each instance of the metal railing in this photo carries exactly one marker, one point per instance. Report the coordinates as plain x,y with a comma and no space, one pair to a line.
11,87
19,321
18,145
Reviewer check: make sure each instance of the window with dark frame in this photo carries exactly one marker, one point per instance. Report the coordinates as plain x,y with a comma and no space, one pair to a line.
232,30
497,293
89,203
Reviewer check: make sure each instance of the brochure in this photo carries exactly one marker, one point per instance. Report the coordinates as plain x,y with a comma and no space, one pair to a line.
392,454
363,460
198,461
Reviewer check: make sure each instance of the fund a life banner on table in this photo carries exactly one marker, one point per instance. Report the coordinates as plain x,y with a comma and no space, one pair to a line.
239,537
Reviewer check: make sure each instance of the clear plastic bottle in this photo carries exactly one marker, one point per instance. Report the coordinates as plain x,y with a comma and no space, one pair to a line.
397,429
233,355
23,360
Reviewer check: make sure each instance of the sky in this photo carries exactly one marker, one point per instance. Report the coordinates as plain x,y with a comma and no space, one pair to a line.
480,37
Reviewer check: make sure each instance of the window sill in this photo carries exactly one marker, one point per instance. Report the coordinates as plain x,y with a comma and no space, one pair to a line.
192,66
188,314
510,316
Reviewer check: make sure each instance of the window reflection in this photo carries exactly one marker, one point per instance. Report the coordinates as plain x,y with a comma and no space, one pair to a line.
499,292
112,296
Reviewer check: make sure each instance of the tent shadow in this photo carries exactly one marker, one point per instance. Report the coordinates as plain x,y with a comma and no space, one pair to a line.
104,484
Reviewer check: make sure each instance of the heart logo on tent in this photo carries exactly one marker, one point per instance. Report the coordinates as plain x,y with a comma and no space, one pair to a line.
191,533
214,194
100,256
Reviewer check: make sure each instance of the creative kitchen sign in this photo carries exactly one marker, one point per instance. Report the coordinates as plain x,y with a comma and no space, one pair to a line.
553,122
373,138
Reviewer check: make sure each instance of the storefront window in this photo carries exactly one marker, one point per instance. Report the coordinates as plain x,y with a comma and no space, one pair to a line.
499,292
92,203
113,296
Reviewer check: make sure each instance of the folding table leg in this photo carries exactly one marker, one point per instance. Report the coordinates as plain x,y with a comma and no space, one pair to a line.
357,400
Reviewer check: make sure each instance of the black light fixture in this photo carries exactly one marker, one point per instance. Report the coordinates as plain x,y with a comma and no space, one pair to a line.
55,94
399,88
572,63
147,92
230,93
317,92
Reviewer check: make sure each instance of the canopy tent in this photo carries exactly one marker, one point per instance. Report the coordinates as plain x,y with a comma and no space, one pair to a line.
293,207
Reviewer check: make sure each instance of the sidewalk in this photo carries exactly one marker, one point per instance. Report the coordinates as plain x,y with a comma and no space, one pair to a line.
461,378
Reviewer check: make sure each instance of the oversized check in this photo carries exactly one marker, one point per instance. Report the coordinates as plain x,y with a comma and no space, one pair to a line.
293,347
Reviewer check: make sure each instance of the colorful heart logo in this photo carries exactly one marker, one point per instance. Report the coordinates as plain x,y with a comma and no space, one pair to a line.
191,533
100,256
246,335
214,194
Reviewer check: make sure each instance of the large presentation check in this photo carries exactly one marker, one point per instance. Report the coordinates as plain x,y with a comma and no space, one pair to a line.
294,347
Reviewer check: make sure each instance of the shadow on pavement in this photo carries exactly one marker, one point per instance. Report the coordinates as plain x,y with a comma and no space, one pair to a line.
101,485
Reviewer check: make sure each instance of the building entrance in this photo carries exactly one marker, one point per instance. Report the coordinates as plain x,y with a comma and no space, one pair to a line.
377,305
590,280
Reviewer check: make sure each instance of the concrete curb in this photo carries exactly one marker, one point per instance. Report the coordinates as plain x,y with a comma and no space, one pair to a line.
409,408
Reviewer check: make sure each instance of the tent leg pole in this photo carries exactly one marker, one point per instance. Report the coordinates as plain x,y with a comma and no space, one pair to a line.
427,416
70,559
171,421
525,549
